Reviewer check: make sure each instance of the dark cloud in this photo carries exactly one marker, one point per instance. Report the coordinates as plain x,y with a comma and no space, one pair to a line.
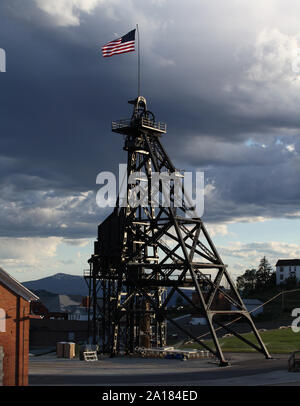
225,111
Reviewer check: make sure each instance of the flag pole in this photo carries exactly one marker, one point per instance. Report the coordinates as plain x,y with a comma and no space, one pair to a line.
139,61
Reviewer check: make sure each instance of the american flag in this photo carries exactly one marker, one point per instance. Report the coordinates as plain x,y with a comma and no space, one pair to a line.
120,45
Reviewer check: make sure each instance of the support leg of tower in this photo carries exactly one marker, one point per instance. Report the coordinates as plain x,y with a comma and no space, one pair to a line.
260,341
223,361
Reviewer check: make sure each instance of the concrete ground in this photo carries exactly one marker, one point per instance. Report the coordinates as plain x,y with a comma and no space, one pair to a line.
245,370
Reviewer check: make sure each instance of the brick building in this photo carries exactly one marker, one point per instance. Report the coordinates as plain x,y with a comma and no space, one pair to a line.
14,329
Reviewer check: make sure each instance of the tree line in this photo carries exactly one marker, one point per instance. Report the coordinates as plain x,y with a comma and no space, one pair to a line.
261,279
257,280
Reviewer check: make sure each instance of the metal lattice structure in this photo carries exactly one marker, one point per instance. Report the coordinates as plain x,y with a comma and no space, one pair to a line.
148,252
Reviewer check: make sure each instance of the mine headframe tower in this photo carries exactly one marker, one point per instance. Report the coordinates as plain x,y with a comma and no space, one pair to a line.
148,250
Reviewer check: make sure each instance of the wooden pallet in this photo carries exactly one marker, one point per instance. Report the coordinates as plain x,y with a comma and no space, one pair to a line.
90,356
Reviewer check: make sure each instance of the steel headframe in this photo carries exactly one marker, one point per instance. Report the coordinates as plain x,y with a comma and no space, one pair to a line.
146,254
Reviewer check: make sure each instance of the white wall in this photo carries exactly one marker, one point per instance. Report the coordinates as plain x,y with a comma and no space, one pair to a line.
286,273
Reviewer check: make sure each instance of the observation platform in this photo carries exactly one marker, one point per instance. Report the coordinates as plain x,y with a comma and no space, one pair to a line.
127,125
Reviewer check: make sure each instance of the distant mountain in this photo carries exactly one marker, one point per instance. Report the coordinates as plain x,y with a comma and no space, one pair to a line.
60,283
64,284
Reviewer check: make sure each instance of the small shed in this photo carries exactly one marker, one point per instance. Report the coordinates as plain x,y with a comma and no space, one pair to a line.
14,330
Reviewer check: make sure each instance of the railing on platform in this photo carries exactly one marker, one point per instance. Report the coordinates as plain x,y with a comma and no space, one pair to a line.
145,122
86,272
162,127
117,125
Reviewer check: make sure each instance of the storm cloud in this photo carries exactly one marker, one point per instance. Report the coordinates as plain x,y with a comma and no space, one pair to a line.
223,75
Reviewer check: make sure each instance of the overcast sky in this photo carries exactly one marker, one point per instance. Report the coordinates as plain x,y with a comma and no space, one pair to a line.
224,77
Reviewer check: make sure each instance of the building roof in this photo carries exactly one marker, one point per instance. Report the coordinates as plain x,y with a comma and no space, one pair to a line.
20,290
59,303
287,262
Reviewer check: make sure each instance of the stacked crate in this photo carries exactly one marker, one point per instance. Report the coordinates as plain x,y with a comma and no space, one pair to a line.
69,350
65,350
